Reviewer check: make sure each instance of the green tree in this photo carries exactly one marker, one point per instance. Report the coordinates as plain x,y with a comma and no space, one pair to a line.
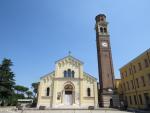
7,81
29,94
20,92
21,89
35,88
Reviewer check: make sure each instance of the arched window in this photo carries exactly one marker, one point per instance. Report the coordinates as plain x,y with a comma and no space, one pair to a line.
73,74
47,91
65,73
101,29
101,19
105,30
88,92
69,72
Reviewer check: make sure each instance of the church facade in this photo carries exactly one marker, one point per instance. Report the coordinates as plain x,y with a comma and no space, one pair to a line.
68,86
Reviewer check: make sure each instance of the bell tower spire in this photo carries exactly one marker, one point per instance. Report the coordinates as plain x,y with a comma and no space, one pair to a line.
105,64
101,25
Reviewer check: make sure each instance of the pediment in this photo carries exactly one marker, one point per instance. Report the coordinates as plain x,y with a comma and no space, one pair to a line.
69,60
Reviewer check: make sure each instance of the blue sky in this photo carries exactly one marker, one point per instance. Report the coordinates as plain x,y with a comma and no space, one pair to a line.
36,33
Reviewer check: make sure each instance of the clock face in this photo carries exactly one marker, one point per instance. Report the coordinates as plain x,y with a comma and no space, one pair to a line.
104,44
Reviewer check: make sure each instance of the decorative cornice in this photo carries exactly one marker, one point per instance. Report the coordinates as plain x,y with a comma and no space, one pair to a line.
49,74
46,97
103,36
90,76
89,97
136,58
68,79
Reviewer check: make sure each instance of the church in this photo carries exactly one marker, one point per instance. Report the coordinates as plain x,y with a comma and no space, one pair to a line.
68,86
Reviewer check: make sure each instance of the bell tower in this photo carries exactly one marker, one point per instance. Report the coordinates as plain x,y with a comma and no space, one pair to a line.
105,64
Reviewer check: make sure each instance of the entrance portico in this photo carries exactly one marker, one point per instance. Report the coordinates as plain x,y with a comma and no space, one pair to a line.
68,97
68,94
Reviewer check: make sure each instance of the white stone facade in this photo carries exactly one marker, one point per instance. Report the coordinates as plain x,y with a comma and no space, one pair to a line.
68,86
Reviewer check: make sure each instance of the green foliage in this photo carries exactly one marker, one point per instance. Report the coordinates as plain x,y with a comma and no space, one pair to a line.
29,94
35,88
9,92
34,104
7,81
21,89
13,99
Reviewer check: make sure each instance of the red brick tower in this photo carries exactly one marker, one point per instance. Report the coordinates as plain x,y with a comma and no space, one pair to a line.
105,64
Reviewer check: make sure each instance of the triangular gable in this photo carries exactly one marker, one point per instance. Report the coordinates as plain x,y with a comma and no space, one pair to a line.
86,74
49,74
71,58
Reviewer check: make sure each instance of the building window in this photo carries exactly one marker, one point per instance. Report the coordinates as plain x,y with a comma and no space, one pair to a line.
124,86
69,73
134,68
88,92
141,101
146,63
128,85
137,82
132,84
143,81
135,101
101,30
47,91
72,74
125,73
140,66
147,99
130,100
65,73
105,30
130,71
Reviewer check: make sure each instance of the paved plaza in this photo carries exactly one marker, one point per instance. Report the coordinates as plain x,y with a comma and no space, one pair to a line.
100,110
66,111
63,111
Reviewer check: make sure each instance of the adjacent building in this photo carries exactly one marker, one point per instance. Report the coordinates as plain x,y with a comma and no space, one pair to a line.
118,88
135,82
68,86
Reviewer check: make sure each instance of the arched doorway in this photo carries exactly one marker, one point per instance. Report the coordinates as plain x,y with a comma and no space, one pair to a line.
68,97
